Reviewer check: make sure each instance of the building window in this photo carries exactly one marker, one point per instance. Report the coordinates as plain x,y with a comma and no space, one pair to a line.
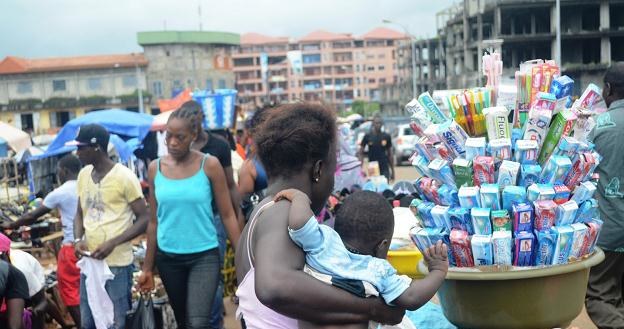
24,87
371,68
328,81
129,81
222,84
157,88
357,67
292,84
372,80
61,118
58,85
381,56
382,80
381,68
94,83
209,84
28,124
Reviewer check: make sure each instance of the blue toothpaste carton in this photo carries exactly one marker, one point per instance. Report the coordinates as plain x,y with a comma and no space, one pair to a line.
421,165
526,151
567,146
583,192
587,211
537,192
566,213
516,134
580,232
461,219
441,170
508,173
562,193
441,216
482,250
524,249
513,194
502,246
563,245
424,237
490,197
501,220
481,221
500,149
469,197
546,241
474,147
530,174
522,217
424,212
556,169
448,195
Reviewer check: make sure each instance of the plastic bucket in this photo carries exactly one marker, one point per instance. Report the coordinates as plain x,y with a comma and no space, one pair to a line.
407,262
548,297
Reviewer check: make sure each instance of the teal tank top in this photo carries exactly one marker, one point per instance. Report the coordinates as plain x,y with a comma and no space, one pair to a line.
184,213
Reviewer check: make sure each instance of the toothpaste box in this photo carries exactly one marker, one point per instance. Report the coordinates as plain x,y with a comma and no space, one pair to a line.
567,146
524,249
593,231
537,192
424,212
500,149
461,248
475,147
462,169
461,220
545,213
441,171
536,127
556,169
497,123
563,245
526,151
481,221
522,217
482,249
583,192
483,170
508,173
561,125
566,213
587,211
469,197
562,193
502,245
490,197
530,174
580,232
546,241
501,220
441,216
448,195
513,194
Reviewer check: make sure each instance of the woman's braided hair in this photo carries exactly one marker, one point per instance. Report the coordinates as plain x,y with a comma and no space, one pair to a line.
189,111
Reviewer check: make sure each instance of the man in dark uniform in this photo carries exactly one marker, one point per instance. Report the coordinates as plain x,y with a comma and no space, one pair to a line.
379,148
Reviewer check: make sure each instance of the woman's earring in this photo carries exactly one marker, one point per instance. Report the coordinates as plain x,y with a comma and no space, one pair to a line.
316,179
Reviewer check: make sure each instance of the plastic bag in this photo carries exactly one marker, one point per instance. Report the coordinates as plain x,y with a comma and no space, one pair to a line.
143,316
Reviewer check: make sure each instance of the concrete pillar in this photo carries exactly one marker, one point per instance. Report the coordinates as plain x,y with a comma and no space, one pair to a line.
605,50
467,54
496,31
604,16
533,29
513,25
553,22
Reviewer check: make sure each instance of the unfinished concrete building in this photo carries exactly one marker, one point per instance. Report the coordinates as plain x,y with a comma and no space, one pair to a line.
592,36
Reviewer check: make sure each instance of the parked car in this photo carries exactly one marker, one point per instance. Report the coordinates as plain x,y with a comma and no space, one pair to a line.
403,141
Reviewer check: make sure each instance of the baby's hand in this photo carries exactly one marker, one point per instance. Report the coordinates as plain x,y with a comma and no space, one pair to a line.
436,257
290,195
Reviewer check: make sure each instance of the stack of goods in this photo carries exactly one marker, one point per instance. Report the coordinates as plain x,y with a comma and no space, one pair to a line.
515,196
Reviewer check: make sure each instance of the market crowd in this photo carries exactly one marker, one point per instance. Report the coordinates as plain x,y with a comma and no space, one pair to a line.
291,271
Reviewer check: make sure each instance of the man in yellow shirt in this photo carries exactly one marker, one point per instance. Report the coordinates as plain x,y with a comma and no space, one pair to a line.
111,212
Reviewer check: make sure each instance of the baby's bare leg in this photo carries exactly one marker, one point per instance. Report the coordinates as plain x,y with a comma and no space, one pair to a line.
308,325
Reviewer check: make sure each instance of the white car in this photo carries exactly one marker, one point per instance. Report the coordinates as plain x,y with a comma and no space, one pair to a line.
403,141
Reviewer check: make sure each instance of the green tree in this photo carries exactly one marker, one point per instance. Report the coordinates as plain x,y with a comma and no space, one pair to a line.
365,109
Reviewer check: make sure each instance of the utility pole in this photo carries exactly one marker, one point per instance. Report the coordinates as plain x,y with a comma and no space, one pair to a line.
558,38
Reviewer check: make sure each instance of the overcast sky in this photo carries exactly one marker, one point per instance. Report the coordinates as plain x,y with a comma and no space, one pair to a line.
49,28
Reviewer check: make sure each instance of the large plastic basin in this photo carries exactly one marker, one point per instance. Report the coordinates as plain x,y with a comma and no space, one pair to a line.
549,297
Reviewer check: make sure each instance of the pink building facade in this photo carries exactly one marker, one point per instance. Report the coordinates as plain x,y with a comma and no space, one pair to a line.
336,68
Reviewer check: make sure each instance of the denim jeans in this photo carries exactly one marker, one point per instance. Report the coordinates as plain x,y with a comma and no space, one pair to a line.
119,291
216,316
191,282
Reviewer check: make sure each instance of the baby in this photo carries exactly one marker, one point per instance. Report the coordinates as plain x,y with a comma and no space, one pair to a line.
353,256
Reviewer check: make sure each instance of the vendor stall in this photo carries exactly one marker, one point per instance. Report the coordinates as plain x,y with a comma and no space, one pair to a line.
511,195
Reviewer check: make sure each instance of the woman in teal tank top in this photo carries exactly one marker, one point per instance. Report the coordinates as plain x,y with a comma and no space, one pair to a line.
181,237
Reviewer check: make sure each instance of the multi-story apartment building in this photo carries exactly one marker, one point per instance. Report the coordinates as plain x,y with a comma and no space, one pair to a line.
188,59
336,68
41,95
592,36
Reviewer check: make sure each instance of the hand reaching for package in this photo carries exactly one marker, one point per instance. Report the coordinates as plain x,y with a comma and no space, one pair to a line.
436,257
